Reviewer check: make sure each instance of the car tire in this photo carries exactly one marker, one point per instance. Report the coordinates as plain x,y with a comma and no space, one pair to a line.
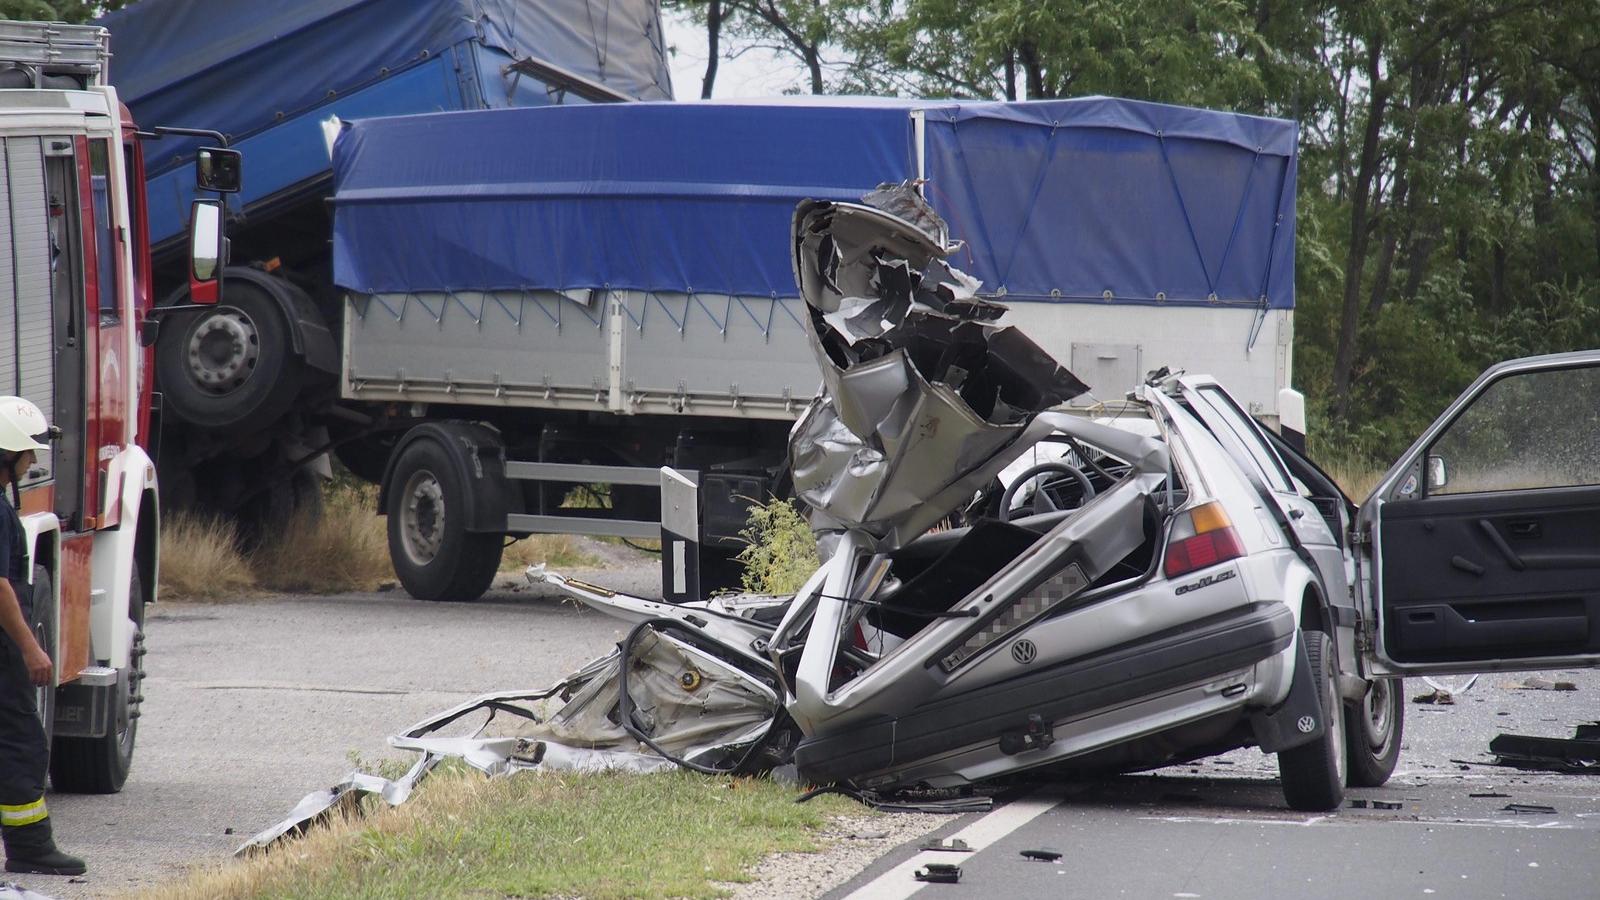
1313,774
434,555
232,369
1374,726
100,765
44,631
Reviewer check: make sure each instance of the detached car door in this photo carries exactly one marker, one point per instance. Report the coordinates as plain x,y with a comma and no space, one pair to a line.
1481,546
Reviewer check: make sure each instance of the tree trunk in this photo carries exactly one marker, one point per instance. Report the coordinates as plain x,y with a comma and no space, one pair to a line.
713,47
1011,74
1344,358
813,58
1032,70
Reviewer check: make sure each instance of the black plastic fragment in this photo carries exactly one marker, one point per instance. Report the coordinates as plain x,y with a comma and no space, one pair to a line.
954,845
1577,755
1489,794
1358,804
939,873
1386,804
1529,809
1042,855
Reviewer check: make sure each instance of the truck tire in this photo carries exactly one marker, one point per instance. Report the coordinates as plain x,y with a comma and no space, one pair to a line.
1374,726
1313,774
44,631
100,765
231,369
434,555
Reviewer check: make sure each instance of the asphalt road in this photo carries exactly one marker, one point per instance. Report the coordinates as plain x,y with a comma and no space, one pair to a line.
1219,829
251,705
255,703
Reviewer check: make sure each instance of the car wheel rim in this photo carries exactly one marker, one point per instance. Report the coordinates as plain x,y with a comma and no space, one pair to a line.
1331,708
422,518
223,351
1377,718
133,686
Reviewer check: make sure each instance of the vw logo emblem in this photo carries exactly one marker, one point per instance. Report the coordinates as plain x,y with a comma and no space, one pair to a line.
1306,724
1024,651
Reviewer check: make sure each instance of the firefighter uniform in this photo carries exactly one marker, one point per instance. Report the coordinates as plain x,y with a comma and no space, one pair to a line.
24,747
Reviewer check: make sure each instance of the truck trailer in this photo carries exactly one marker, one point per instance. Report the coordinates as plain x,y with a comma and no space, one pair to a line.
249,404
546,298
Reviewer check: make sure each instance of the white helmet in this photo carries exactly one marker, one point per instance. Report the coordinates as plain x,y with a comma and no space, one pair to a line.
22,425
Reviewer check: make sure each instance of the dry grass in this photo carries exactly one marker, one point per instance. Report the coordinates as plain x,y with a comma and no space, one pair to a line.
344,549
1357,483
558,551
201,559
535,835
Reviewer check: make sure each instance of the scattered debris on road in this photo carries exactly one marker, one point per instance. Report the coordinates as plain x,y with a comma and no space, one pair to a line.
1529,809
1577,755
1535,683
1042,855
939,873
954,845
1435,697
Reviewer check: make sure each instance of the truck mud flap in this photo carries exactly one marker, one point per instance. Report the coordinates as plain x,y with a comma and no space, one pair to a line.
1168,661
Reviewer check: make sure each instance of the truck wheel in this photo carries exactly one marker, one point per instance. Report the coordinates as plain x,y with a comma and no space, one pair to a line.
100,765
1313,774
44,631
1374,727
231,369
434,555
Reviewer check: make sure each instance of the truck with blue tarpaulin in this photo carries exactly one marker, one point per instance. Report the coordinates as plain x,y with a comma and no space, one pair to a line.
248,389
521,302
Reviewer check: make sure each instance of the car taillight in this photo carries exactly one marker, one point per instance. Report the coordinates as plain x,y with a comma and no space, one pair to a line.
1201,537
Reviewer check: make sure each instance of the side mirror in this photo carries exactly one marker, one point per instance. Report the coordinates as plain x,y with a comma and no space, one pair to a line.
1438,477
216,169
207,251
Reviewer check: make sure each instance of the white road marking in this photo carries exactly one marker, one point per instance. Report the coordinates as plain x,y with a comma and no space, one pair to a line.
900,882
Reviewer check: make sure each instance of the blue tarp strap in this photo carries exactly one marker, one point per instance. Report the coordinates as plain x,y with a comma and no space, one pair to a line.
1194,240
1033,200
1238,217
522,303
977,203
1266,276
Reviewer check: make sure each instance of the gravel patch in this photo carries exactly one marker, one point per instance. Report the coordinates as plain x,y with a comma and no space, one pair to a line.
850,844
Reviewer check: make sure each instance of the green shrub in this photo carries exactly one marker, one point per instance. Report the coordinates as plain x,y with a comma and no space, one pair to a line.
781,552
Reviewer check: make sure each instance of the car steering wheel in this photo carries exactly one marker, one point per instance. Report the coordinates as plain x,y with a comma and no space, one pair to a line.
1041,497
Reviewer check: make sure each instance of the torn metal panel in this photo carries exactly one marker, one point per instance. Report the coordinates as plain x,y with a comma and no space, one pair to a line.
919,390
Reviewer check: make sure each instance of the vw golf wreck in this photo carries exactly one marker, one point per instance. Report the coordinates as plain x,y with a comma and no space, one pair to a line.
1006,587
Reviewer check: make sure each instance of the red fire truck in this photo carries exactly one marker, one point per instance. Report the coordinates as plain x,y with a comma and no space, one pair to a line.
74,290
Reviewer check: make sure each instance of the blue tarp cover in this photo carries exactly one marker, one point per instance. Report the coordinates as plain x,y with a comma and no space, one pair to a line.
183,62
1071,200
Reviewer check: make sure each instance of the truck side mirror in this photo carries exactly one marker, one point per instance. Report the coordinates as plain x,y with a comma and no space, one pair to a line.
207,251
216,169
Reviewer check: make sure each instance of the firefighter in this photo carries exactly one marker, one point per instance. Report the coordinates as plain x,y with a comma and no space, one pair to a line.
24,667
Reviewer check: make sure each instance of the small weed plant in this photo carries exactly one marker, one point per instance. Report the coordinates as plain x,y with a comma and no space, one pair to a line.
781,552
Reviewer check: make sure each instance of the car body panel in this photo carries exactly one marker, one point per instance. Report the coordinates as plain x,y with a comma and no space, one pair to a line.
1498,567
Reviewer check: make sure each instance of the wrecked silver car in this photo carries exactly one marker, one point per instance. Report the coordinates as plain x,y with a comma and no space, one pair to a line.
1008,587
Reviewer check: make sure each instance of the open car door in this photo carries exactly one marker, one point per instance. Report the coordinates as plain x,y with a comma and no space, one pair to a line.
1481,546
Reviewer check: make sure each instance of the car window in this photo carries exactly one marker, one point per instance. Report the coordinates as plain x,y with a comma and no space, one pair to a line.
1526,431
1226,415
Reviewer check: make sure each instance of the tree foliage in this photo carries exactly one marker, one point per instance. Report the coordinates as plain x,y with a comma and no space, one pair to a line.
1449,207
57,10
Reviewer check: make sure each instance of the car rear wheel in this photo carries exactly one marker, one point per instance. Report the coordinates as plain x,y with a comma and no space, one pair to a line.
1313,774
1374,727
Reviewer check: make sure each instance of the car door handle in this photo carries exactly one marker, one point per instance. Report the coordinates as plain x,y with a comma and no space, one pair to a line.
1297,514
1524,528
1499,542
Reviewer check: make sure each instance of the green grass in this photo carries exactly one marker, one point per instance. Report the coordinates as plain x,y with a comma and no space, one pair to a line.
596,836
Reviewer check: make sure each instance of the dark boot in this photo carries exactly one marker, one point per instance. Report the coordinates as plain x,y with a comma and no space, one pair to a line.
31,850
